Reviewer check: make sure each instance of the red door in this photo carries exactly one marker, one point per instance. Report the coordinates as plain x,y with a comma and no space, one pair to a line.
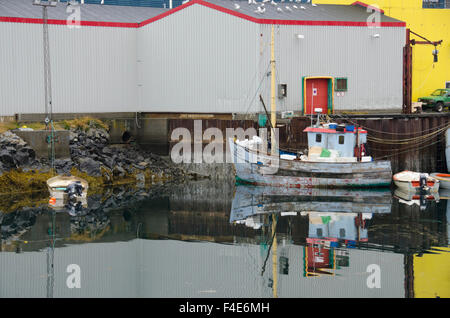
316,95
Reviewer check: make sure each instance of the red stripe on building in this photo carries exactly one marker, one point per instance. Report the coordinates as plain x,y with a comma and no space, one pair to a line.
218,8
64,22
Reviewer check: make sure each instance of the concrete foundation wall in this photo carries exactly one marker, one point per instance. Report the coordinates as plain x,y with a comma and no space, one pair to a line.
37,139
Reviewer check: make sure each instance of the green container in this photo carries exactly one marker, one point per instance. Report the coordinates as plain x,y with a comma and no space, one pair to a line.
325,153
262,120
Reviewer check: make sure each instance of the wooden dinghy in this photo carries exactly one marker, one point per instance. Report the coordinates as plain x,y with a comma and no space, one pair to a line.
57,186
409,181
444,179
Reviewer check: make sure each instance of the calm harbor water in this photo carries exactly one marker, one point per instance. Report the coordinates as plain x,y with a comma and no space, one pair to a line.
209,239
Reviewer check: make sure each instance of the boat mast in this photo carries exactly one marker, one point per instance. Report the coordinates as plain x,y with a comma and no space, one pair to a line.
274,257
273,107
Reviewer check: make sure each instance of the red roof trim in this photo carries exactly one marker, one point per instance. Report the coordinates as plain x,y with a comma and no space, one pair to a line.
64,22
365,5
332,131
215,7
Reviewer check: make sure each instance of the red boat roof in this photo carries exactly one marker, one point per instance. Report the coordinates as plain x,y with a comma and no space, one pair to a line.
332,131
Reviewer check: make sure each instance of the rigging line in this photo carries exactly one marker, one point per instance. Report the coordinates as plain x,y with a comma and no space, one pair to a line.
385,132
401,148
415,147
371,129
407,150
257,70
257,90
407,140
403,142
251,83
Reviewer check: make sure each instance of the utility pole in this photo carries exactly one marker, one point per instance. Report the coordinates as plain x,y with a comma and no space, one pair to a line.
47,71
407,67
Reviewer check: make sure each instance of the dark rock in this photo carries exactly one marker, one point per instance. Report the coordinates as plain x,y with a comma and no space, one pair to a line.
107,151
118,171
30,151
90,166
109,162
7,159
21,158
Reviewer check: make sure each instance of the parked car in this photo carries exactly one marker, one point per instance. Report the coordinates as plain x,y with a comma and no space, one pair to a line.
438,100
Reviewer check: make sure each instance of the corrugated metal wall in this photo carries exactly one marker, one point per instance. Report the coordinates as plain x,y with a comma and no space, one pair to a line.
373,66
93,69
197,60
209,69
152,268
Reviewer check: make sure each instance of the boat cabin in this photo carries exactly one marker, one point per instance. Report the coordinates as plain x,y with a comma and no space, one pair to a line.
343,140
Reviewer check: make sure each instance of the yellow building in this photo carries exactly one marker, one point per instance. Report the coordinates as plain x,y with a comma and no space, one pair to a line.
433,24
432,275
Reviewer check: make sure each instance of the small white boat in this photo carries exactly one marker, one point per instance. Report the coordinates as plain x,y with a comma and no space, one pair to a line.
410,198
444,179
409,181
58,186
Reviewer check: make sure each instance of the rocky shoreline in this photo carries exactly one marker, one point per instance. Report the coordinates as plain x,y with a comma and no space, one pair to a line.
91,157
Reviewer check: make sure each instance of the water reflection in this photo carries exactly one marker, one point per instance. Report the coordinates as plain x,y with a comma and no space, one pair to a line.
206,239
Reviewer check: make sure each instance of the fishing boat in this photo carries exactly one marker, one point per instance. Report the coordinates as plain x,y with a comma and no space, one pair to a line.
322,167
444,179
410,181
336,156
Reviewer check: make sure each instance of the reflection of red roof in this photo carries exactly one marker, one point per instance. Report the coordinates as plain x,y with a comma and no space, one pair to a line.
321,240
332,131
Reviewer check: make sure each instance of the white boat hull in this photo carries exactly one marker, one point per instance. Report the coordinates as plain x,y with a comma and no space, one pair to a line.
444,180
408,181
261,169
249,200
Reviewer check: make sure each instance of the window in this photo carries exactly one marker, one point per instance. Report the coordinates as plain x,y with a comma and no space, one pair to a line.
436,4
319,138
341,85
319,232
447,84
341,140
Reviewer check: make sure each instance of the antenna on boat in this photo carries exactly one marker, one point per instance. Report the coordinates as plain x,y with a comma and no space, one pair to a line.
318,111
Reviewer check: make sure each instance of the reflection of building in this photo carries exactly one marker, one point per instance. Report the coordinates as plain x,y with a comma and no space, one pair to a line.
432,274
326,233
344,226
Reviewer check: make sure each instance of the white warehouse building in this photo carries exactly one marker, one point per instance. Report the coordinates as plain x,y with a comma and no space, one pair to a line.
206,56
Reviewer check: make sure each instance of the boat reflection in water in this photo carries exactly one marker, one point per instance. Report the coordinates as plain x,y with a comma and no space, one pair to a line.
179,242
337,219
422,198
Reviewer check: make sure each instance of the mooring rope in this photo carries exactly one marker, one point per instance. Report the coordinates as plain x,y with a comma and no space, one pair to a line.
390,133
